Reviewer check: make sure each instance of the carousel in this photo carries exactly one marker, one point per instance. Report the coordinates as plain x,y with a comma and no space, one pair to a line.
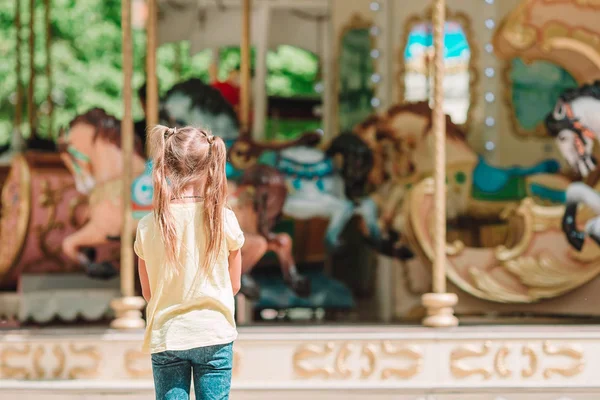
436,238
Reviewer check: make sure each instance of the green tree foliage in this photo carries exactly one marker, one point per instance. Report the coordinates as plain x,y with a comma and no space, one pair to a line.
87,61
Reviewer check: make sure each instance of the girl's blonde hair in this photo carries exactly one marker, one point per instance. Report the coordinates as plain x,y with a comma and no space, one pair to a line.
184,157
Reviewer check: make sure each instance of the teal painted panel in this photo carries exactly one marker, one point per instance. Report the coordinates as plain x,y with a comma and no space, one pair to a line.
535,89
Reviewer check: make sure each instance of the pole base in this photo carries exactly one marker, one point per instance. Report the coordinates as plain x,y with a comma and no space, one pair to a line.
128,311
440,312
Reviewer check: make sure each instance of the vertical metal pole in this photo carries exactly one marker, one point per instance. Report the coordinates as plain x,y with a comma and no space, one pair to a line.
128,307
245,67
17,139
260,96
31,89
439,303
49,100
151,80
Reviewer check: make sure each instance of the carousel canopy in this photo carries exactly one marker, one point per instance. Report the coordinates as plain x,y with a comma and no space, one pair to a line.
217,23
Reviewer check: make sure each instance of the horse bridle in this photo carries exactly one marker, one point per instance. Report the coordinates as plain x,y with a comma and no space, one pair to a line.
77,157
580,129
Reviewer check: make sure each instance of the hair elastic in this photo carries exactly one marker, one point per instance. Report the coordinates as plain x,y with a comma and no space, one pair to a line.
170,132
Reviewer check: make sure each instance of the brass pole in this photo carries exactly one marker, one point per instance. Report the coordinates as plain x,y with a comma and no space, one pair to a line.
151,80
439,303
18,67
128,307
49,100
245,68
31,89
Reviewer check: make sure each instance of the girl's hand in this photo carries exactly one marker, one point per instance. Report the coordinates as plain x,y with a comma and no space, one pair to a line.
235,270
144,280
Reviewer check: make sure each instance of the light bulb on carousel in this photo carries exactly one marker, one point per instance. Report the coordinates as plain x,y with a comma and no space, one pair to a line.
490,73
375,54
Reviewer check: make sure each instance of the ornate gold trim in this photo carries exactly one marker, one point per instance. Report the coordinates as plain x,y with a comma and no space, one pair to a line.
357,21
500,362
532,367
38,353
49,200
331,360
130,361
35,368
20,166
417,239
310,351
369,352
340,362
61,358
11,371
569,351
413,353
466,23
89,352
460,369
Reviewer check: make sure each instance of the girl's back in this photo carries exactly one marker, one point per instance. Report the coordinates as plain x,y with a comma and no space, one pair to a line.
188,309
190,265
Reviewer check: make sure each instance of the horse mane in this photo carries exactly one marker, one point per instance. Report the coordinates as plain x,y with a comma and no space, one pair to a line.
586,90
204,96
347,142
370,121
107,128
422,108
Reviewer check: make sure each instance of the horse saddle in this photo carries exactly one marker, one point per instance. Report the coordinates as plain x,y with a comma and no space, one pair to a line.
508,183
141,193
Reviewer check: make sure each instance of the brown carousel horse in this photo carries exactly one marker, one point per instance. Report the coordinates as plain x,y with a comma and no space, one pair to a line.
257,201
91,151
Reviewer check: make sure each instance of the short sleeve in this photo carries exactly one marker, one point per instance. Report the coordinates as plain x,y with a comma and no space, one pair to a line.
233,232
137,244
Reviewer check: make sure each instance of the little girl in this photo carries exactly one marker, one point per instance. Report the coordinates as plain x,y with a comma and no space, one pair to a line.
189,265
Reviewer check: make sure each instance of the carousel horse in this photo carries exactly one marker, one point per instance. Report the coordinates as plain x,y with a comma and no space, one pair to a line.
575,125
91,151
402,143
319,189
195,103
258,200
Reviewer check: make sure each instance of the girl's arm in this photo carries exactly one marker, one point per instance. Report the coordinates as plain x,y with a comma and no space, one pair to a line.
144,280
235,270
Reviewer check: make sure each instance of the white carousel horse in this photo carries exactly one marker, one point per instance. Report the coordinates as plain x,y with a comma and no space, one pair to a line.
319,190
575,123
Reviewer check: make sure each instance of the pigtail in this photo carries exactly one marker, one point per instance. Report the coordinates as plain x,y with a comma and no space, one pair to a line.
158,138
215,195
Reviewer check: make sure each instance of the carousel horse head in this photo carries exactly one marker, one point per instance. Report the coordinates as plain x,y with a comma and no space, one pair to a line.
267,190
194,103
405,132
575,123
79,145
357,162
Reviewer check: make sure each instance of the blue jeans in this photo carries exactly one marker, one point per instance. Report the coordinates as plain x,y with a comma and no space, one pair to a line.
210,366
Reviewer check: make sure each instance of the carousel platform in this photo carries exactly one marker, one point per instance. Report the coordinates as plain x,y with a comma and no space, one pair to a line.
345,362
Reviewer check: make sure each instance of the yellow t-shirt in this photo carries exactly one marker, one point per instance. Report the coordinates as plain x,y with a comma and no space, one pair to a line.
188,310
